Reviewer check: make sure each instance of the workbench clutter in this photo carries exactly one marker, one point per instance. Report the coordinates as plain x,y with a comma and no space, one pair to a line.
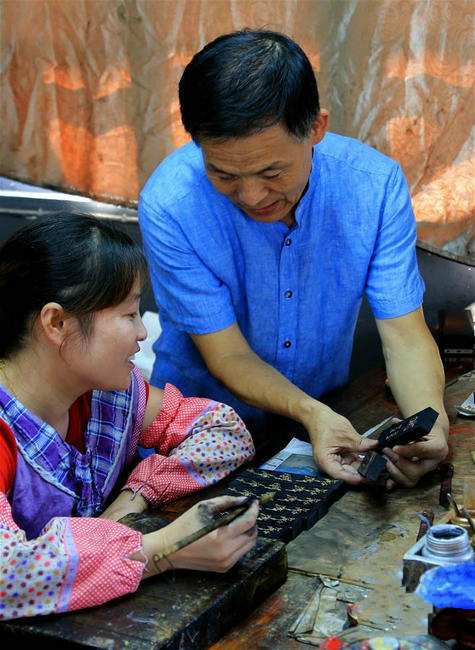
467,408
341,614
331,612
440,567
451,591
442,545
413,642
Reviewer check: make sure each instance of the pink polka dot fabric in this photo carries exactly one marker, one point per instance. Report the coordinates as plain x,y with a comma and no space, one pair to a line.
74,563
203,441
105,570
32,573
218,443
82,562
172,423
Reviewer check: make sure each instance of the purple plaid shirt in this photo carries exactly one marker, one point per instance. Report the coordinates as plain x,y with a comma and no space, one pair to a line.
52,477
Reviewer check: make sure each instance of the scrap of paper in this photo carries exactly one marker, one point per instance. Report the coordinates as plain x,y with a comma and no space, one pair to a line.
468,406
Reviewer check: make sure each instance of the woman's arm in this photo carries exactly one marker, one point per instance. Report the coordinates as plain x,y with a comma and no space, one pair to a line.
126,503
154,405
169,417
74,563
198,443
83,562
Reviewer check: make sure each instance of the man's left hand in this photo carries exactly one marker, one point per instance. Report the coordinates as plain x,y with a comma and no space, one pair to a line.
408,463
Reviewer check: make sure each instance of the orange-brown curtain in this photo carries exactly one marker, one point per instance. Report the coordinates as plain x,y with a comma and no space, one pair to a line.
89,90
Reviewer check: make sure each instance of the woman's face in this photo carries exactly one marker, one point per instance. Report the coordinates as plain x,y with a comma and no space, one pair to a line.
103,359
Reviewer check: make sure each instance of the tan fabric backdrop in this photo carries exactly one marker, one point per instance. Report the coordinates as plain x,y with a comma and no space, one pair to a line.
89,90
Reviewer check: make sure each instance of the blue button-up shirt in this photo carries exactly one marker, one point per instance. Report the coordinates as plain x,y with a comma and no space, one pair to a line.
294,292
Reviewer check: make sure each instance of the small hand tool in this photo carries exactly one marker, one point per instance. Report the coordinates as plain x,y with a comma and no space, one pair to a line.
446,473
427,519
454,504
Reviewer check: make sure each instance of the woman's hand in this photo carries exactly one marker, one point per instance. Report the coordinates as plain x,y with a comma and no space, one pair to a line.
125,503
217,551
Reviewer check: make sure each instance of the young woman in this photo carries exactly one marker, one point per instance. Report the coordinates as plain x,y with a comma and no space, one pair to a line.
73,409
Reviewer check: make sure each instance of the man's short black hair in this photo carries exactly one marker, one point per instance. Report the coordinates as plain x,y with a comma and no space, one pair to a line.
245,81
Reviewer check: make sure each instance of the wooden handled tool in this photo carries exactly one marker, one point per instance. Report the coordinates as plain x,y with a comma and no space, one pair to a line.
232,513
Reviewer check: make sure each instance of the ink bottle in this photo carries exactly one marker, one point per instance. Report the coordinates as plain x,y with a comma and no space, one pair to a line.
447,544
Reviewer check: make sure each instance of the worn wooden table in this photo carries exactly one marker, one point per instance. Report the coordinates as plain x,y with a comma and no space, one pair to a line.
362,539
360,542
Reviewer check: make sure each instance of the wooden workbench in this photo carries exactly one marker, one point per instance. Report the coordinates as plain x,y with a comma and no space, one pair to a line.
362,539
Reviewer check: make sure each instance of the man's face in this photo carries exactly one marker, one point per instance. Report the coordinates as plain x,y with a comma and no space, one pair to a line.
264,174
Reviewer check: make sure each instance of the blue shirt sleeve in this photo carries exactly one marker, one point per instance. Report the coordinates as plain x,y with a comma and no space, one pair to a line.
394,286
187,292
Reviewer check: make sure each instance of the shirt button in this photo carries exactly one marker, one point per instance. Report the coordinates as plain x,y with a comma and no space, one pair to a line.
287,344
288,294
288,242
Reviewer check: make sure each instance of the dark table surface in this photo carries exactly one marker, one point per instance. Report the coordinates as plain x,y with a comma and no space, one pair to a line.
362,539
360,543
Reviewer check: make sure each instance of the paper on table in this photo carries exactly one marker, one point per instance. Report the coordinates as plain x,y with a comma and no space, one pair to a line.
295,458
468,406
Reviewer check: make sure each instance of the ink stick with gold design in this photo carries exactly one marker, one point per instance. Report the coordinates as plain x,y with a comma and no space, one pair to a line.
409,430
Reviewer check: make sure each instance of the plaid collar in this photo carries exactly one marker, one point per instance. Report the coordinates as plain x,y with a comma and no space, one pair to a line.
90,476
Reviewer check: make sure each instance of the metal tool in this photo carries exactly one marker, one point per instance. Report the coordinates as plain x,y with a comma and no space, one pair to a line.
446,473
454,504
427,519
467,516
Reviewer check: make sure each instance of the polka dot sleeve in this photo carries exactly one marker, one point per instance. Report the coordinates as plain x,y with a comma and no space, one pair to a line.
172,424
200,442
74,563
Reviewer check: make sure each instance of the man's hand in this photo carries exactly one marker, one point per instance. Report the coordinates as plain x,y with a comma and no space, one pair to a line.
125,503
416,378
408,463
336,445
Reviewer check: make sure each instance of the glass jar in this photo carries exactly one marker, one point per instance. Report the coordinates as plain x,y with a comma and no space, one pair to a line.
448,544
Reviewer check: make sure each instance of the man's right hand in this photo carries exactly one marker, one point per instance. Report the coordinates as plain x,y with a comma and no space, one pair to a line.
336,444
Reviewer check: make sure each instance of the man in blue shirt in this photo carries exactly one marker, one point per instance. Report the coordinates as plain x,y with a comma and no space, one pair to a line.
262,236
